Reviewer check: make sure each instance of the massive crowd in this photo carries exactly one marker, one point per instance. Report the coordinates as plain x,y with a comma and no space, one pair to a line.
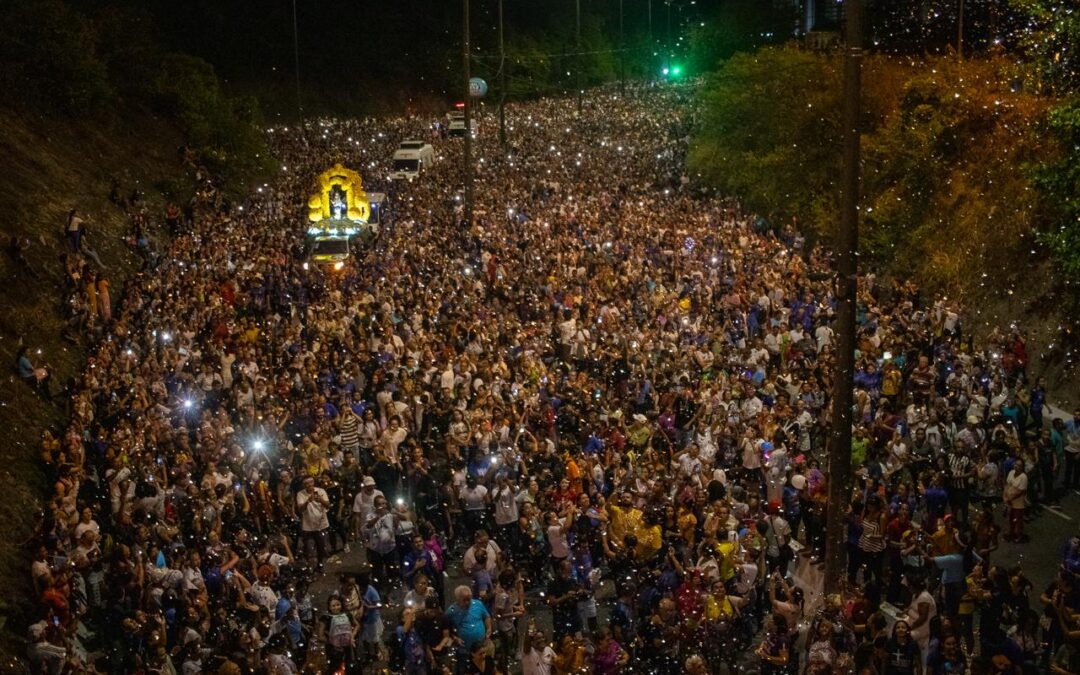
584,435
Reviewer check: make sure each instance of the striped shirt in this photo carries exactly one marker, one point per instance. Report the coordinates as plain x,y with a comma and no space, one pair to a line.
350,432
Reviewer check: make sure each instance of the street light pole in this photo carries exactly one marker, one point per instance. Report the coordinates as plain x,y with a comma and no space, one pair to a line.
577,49
622,53
468,115
296,62
960,34
847,287
667,40
502,82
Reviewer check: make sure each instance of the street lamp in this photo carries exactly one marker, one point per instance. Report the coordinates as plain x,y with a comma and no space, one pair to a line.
622,52
465,57
577,49
960,33
502,82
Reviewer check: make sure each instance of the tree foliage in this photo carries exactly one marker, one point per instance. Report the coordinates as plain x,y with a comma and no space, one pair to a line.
48,57
1051,40
942,195
222,129
739,26
770,130
55,59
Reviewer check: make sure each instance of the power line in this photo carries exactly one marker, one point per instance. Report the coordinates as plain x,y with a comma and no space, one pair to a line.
492,57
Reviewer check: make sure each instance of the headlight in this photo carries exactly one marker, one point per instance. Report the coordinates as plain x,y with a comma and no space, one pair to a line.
339,264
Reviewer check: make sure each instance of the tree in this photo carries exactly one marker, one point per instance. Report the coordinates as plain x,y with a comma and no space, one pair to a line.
770,133
1050,44
941,195
48,58
223,130
739,26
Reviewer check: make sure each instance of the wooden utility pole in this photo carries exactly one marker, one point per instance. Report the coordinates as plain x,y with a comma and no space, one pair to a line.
847,287
502,82
577,49
465,58
622,53
960,33
296,68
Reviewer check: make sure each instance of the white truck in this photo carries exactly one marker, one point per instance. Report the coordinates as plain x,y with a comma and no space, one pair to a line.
456,124
411,159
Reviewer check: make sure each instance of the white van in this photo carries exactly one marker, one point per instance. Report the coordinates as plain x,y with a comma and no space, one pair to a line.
411,158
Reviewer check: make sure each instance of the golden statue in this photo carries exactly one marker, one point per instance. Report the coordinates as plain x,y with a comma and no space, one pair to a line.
341,196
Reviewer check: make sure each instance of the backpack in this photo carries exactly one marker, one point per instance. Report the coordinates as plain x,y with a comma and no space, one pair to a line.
340,633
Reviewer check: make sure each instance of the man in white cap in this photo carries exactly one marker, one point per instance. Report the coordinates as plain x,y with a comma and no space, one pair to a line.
364,503
971,435
45,657
313,505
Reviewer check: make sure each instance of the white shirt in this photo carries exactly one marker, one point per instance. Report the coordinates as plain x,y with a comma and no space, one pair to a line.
537,663
312,511
689,465
824,336
1019,484
556,535
922,633
474,497
772,343
364,504
566,331
506,508
264,596
492,550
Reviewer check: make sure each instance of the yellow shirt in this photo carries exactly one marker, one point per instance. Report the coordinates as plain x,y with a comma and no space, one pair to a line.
727,550
717,610
688,526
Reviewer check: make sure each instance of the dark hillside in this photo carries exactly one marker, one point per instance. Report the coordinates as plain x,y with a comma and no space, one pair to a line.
49,167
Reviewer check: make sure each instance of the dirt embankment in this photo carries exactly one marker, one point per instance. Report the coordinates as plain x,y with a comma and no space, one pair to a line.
49,167
1033,297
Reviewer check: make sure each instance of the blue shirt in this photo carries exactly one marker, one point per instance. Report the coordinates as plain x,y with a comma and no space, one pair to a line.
951,566
26,369
469,623
371,604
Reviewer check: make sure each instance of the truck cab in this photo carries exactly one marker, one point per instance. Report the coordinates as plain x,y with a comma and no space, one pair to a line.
330,250
411,159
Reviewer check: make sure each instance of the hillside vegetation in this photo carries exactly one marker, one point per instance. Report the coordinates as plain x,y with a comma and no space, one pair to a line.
51,167
951,159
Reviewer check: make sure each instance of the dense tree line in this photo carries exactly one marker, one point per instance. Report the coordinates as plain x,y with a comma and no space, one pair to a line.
58,60
965,163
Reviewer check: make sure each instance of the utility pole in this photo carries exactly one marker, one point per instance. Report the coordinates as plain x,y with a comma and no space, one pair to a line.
652,45
960,34
465,57
622,53
667,40
847,287
577,48
502,82
296,67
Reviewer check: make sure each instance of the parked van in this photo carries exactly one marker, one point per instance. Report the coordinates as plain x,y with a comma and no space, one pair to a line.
411,159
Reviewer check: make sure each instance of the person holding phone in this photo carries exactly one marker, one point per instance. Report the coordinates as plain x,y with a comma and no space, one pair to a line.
314,505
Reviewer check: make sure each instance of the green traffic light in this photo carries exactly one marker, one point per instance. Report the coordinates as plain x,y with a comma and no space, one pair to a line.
676,70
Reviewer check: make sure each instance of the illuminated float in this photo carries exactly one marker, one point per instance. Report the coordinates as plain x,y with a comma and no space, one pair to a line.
339,212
